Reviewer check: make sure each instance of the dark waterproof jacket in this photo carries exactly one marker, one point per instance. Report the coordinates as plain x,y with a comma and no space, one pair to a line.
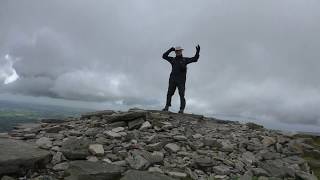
179,65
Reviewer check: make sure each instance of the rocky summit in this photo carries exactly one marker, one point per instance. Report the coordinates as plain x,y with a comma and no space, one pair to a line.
151,145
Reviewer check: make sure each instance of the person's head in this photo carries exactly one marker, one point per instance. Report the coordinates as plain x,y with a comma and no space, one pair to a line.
178,50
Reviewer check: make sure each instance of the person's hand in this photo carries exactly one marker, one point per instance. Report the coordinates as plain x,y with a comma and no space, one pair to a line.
172,49
198,48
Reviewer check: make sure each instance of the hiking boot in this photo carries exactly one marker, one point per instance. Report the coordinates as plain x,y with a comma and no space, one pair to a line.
165,108
181,111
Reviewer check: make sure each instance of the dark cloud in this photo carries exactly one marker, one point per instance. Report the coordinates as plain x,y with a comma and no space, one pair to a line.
258,59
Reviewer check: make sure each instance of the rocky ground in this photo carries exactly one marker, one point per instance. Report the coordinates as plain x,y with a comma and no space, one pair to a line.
151,145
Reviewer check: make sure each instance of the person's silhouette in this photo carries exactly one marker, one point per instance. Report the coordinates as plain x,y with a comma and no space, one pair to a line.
178,74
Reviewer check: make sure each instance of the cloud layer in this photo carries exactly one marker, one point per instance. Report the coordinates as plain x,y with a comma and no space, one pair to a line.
258,59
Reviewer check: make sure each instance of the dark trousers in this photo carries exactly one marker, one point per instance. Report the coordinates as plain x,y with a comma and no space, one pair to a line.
173,84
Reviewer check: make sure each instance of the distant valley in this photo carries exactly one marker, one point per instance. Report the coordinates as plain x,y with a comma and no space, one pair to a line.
13,113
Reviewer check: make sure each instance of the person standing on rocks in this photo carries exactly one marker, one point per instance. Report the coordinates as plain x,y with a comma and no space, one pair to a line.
178,74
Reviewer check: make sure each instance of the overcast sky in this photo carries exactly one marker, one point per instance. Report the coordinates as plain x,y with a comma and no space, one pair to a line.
258,59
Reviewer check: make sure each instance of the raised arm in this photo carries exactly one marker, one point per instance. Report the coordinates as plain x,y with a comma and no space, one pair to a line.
195,57
166,55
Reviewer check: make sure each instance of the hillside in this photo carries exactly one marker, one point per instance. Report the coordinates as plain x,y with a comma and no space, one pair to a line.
14,113
150,145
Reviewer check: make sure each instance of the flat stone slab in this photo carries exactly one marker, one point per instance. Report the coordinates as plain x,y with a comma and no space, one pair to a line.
87,170
144,175
18,156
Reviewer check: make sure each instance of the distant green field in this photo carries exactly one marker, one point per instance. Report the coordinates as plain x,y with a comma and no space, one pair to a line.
12,113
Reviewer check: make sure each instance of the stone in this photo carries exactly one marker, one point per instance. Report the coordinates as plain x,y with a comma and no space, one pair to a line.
4,135
274,169
145,125
117,124
136,161
178,146
155,169
152,158
29,136
61,166
248,157
135,124
118,129
120,163
43,177
75,133
127,116
220,177
211,142
254,126
204,162
226,146
112,134
7,178
263,178
270,155
268,141
180,138
144,175
97,113
197,136
57,158
259,172
53,129
246,176
44,143
95,159
172,147
102,140
52,120
294,160
155,147
221,169
86,170
91,132
177,174
96,149
18,155
305,176
75,149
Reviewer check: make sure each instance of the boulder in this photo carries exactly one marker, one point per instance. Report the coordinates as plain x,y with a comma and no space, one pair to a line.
87,170
253,126
96,149
44,143
61,166
145,125
135,124
127,116
74,148
137,161
97,113
172,147
17,156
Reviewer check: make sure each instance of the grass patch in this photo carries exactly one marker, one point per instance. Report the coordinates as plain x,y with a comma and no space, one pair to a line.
313,158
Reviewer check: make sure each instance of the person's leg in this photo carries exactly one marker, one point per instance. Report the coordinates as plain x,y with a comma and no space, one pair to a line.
181,88
171,89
